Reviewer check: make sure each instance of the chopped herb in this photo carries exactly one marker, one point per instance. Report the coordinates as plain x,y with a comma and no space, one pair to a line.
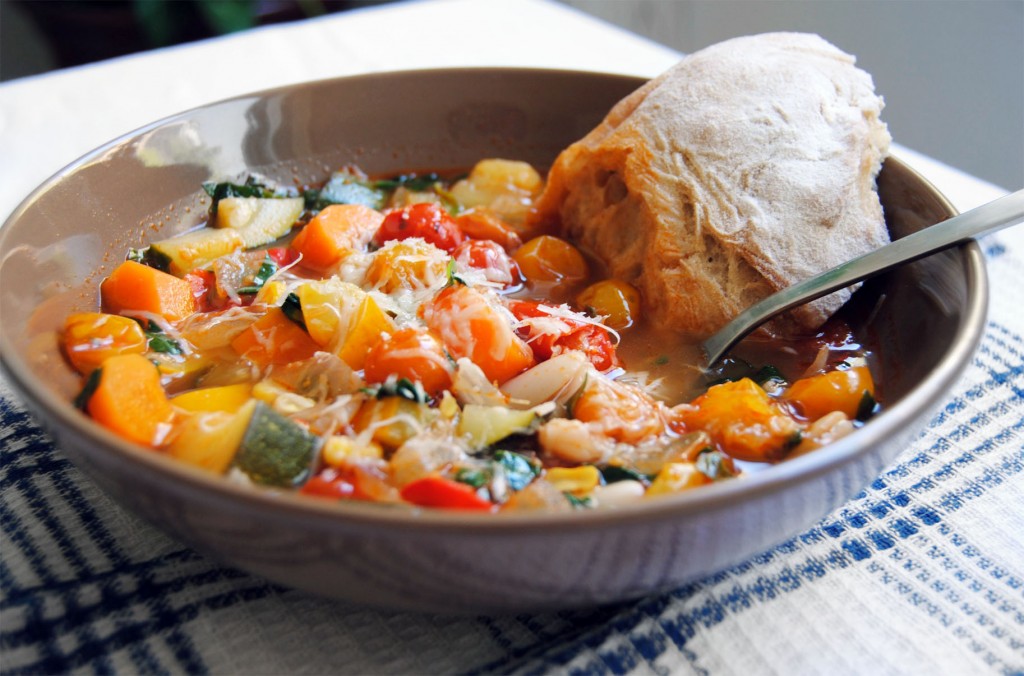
345,188
519,470
616,473
715,465
400,387
578,502
769,375
266,271
292,309
453,277
414,182
151,257
158,341
867,407
91,383
477,478
253,187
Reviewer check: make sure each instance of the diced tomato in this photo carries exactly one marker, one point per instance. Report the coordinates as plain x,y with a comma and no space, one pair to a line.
594,341
409,353
426,220
330,483
202,282
489,257
283,256
437,491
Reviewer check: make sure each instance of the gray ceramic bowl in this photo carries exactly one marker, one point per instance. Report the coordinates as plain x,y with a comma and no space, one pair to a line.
928,316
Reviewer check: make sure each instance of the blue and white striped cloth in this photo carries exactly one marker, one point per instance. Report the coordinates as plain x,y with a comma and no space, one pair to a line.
923,572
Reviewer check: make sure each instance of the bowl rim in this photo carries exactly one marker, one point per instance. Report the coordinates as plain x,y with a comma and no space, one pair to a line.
356,514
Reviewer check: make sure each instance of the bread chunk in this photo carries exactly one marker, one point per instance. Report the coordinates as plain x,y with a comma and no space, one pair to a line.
745,168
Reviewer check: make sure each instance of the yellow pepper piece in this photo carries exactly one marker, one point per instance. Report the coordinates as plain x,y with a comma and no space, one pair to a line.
579,480
211,439
340,450
367,326
676,477
393,419
227,398
328,307
272,293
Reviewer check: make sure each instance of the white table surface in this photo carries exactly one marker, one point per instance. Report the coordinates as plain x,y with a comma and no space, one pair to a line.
49,120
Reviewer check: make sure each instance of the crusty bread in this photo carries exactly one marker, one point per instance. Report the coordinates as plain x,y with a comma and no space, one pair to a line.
747,167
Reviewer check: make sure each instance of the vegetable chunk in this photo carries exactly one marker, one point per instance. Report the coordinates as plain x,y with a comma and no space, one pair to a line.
134,287
129,400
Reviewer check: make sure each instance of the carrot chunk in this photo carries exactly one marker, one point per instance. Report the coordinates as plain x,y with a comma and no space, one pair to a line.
130,401
136,287
841,390
336,231
274,339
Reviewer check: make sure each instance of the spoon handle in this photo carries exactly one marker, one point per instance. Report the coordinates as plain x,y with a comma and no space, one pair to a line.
996,215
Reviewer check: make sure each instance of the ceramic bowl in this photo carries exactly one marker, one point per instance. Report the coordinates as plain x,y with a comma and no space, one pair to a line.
927,318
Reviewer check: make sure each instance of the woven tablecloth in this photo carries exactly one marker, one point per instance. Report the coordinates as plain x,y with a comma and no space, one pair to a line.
923,572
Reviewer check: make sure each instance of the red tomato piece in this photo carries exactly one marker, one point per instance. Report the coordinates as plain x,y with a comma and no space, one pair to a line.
427,221
330,483
202,281
489,257
594,341
283,256
437,491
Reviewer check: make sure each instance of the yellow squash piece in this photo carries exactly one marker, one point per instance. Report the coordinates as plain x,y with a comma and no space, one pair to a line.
226,398
211,439
369,322
329,307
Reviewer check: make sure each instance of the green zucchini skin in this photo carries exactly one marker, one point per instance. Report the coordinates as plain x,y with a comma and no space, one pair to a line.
276,451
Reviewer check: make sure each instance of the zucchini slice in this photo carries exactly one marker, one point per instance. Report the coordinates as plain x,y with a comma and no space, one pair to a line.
259,220
197,248
276,451
482,426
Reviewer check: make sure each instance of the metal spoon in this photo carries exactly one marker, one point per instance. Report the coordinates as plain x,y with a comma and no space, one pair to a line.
1001,213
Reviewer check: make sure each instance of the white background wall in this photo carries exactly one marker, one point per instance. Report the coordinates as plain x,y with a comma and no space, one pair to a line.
951,71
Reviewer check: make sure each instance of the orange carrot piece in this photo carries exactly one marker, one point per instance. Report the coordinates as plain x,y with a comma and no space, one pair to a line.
841,390
134,286
130,401
336,231
471,327
274,339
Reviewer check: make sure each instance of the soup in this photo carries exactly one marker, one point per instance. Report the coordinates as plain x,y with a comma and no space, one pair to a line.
416,340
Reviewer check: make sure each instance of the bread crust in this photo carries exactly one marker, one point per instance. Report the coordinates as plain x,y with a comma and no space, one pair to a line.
745,168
